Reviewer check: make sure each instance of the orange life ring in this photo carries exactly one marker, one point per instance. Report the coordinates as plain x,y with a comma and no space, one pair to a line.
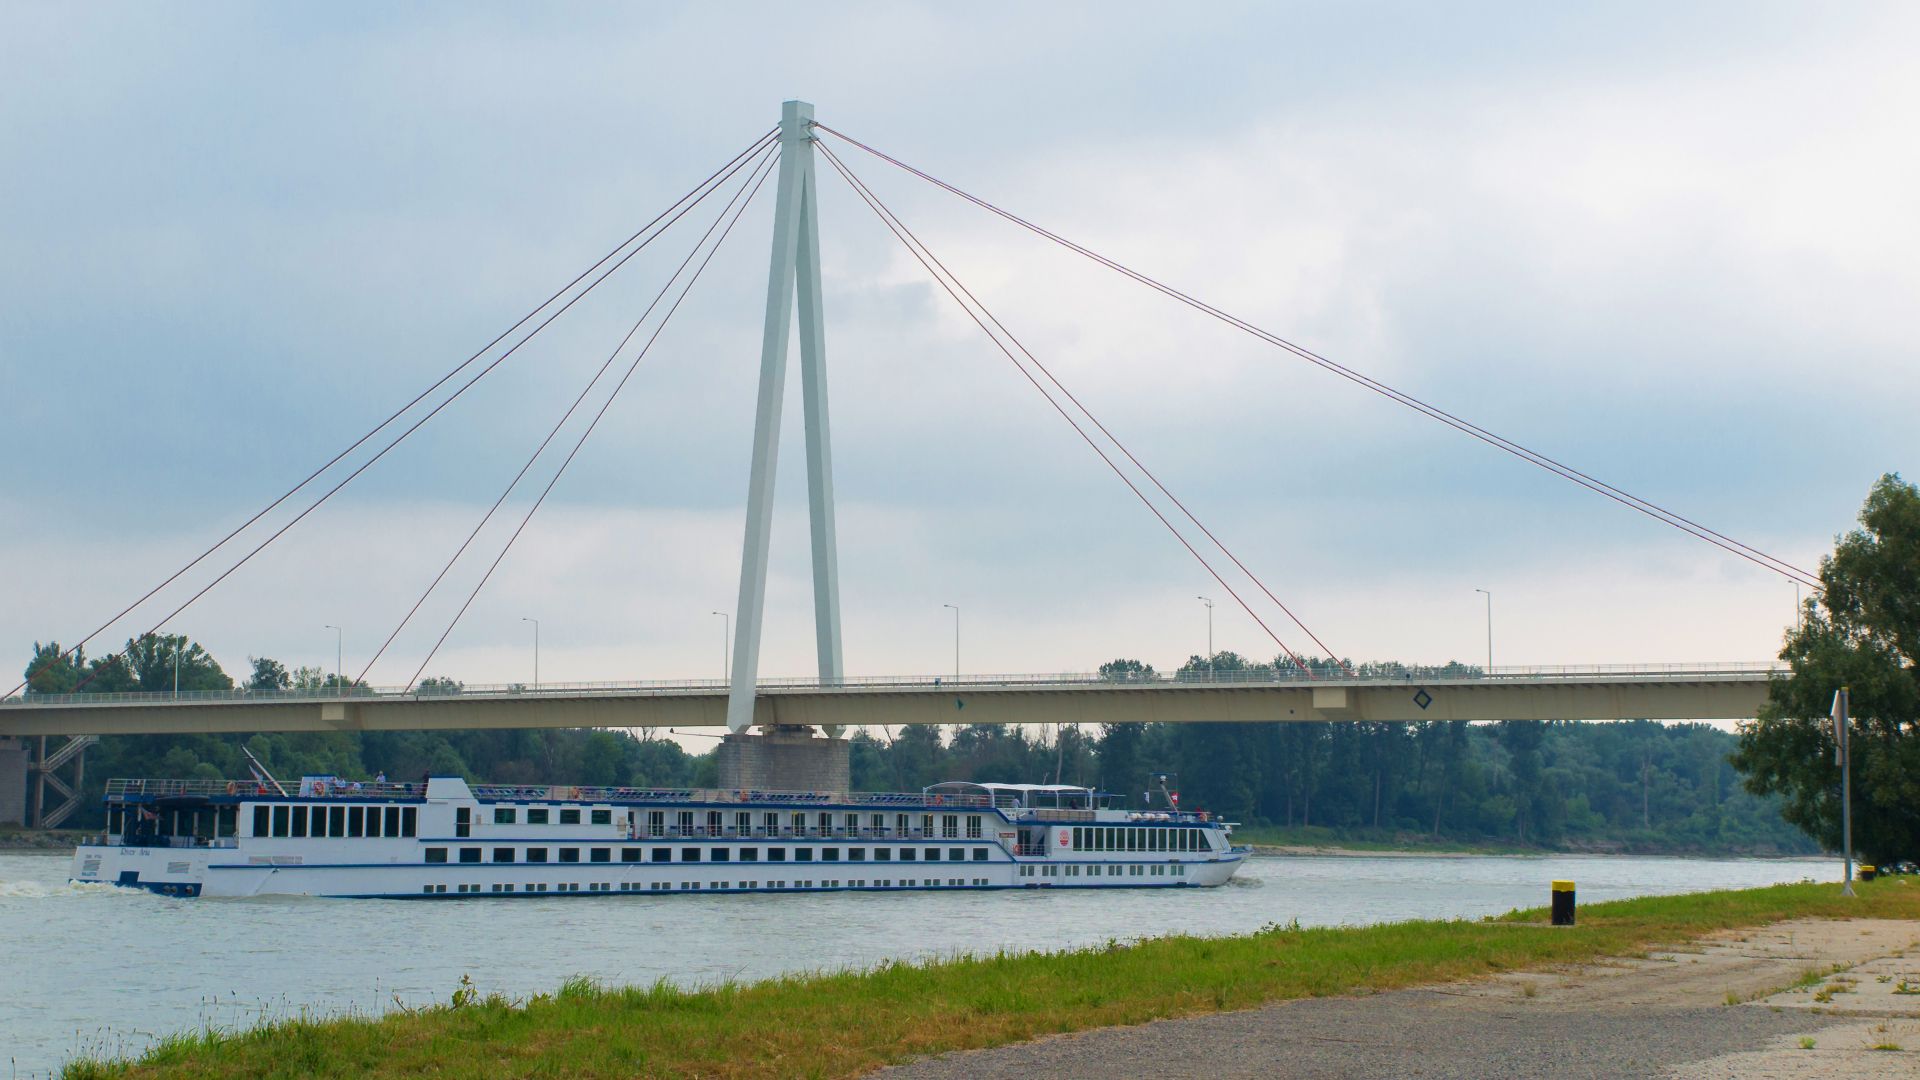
320,788
233,788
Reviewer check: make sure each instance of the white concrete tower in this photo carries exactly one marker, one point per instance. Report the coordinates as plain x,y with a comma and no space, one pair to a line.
795,270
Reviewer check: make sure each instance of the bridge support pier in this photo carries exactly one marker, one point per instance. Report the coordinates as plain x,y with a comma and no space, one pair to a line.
784,758
13,781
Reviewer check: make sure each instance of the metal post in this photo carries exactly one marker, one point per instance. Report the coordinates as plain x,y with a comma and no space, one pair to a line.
1489,597
1843,755
956,641
176,669
536,649
339,667
1209,604
795,265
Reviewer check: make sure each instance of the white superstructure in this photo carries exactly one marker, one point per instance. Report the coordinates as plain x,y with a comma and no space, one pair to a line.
444,838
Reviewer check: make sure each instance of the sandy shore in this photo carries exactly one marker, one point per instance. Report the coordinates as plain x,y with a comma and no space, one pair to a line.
1725,1006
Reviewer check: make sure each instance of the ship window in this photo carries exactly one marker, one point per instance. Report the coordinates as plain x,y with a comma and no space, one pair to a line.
356,821
629,854
503,854
881,854
775,854
503,815
469,854
261,821
569,817
603,817
858,854
685,818
410,821
907,854
804,854
299,821
950,826
933,854
661,854
689,854
463,821
318,823
878,822
979,854
973,826
926,824
900,824
956,854
336,821
391,826
569,854
799,822
1079,838
718,854
536,815
600,854
536,854
749,854
436,854
831,854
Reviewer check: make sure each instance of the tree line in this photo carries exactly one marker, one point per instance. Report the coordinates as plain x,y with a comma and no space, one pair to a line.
1640,786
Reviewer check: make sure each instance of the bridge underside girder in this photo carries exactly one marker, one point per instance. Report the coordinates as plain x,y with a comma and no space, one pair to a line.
1579,699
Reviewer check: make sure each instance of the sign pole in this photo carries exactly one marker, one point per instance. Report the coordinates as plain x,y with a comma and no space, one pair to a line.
1844,758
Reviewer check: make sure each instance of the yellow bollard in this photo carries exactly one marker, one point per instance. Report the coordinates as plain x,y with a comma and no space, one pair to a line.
1563,903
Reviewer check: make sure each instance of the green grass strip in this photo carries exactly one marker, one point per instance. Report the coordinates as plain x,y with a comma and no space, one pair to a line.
848,1023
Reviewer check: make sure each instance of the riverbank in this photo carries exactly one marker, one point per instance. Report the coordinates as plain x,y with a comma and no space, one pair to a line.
847,1023
16,840
1314,840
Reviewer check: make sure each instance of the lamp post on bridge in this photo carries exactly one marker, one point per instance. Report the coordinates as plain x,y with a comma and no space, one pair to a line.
536,649
339,666
956,640
1209,604
1489,597
726,640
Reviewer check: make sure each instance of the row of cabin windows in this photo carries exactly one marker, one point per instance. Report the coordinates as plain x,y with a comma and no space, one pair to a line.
336,821
696,886
544,815
1123,838
694,854
823,822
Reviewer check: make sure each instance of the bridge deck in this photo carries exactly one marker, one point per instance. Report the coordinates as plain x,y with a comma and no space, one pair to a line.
1672,692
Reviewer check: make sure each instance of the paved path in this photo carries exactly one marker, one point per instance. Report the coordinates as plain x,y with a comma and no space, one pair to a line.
1666,1016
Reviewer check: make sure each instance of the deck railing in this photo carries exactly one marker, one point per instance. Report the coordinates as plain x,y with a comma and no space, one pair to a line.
378,789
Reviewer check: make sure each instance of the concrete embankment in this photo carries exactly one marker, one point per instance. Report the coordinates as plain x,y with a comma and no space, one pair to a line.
1806,998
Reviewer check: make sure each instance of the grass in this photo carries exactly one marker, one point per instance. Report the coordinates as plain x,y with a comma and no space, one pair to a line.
846,1023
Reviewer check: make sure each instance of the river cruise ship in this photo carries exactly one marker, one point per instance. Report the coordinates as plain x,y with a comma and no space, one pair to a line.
446,839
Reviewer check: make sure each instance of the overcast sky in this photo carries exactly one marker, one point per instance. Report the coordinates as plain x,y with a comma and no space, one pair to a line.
1670,245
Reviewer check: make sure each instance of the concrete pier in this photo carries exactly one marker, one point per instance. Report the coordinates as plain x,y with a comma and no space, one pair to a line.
13,781
785,758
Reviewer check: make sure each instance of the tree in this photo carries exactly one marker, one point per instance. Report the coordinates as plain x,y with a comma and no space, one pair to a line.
269,674
52,671
163,662
1127,671
1862,632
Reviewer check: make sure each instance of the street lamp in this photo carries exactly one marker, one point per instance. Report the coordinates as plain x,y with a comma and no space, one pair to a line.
956,641
1209,604
726,639
1489,597
176,668
536,649
340,679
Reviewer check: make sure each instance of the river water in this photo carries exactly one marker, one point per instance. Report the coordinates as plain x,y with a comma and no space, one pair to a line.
98,970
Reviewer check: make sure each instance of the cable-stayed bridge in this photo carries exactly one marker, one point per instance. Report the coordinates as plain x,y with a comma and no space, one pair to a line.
1308,685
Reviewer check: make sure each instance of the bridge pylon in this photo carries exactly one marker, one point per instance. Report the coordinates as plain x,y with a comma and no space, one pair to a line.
793,289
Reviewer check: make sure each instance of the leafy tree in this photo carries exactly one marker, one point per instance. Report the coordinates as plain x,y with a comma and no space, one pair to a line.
164,662
1127,671
1863,633
268,674
51,671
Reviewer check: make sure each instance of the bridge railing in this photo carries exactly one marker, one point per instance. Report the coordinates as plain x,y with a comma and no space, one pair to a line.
1364,674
